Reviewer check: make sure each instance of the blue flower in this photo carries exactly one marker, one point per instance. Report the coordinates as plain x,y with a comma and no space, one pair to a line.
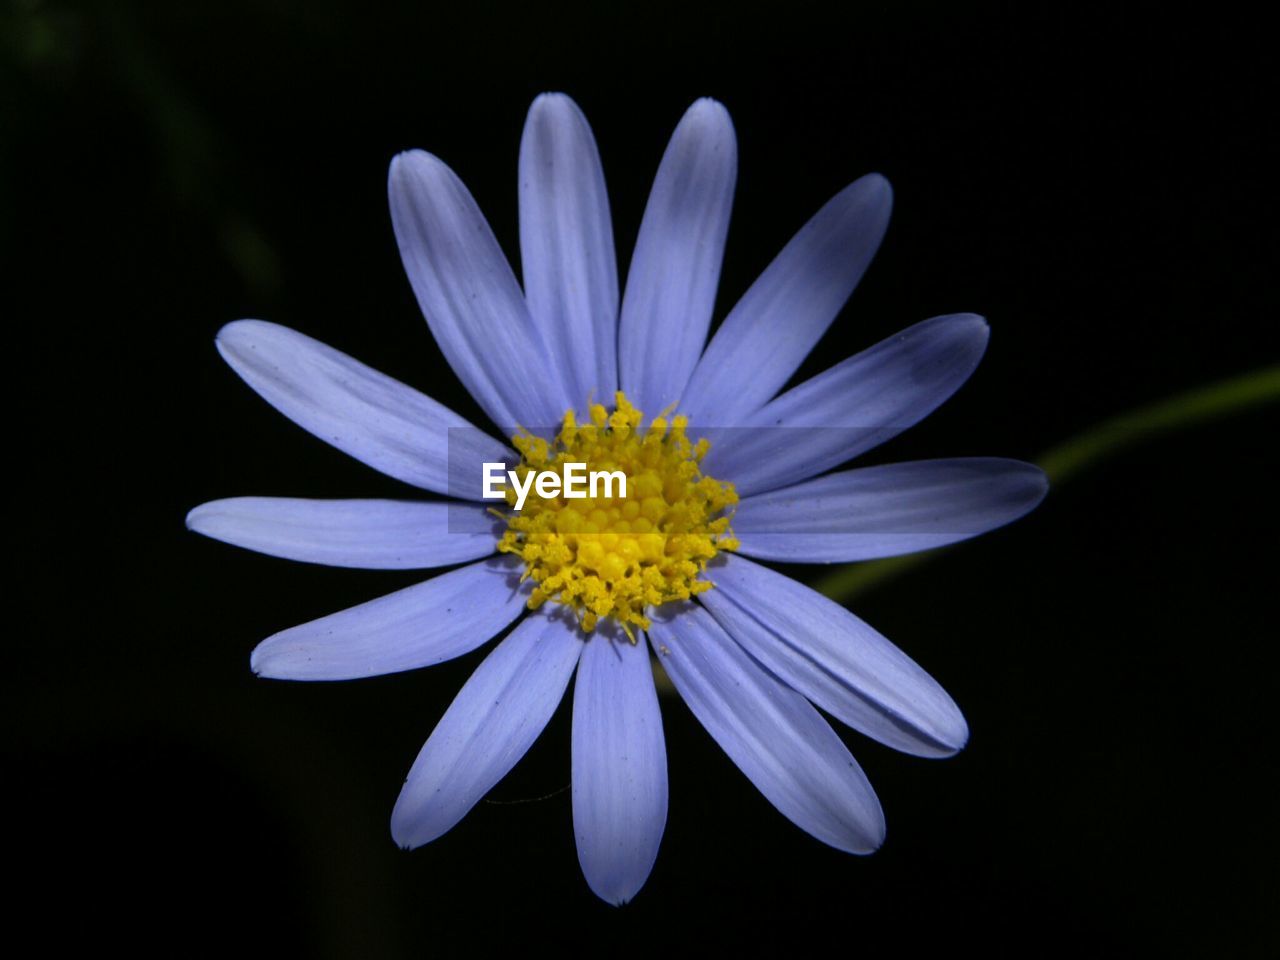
752,652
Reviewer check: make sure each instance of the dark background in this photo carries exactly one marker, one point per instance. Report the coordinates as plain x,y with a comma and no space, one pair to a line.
1096,184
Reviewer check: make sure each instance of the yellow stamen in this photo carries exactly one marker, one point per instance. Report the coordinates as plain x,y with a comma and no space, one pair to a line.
617,556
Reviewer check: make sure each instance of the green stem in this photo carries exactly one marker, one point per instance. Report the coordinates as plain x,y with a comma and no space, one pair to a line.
1061,463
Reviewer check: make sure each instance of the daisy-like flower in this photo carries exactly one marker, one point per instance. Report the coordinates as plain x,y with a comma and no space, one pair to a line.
722,469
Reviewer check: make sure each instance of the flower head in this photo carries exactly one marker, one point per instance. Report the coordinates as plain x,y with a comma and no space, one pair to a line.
718,467
616,557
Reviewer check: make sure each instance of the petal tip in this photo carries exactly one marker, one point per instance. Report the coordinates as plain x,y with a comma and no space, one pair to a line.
236,330
194,516
1037,486
708,106
615,893
876,182
955,736
551,100
405,157
408,829
708,116
553,115
402,834
972,330
256,661
948,729
412,164
235,340
877,839
270,663
870,835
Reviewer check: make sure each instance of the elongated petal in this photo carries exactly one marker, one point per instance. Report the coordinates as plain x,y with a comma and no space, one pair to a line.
379,421
850,408
428,623
671,287
490,725
370,534
566,247
885,511
470,297
783,315
826,653
773,734
619,768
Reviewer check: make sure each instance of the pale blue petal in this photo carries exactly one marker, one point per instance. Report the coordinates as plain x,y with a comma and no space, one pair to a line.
470,297
822,650
619,768
850,408
379,421
428,623
773,734
370,534
566,247
787,310
886,511
671,287
490,725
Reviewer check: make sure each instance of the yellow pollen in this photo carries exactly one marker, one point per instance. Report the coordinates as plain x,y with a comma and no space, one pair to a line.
617,556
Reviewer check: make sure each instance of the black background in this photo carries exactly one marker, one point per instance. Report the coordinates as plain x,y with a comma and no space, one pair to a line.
1097,184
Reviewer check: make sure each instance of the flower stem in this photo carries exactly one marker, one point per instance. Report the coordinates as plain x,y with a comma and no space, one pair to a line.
1204,404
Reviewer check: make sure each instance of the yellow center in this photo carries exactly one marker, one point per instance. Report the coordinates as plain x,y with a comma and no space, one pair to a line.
616,556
